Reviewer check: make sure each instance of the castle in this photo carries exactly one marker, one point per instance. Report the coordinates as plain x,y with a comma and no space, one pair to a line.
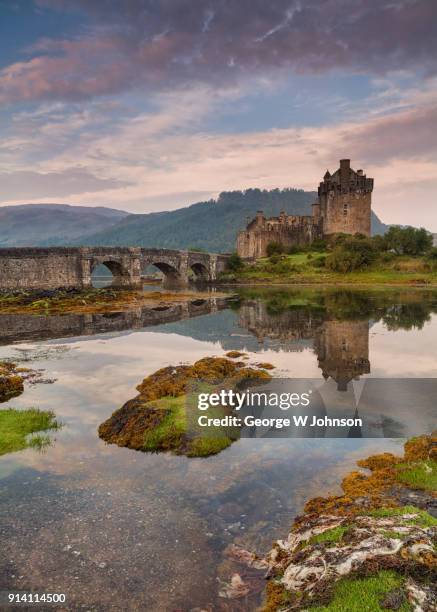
343,206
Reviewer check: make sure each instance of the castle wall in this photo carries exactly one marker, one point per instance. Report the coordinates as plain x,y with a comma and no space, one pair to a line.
295,231
348,213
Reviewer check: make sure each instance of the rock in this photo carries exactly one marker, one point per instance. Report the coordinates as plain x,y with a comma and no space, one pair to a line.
235,589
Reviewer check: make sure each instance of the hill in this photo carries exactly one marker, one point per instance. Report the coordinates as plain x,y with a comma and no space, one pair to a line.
53,224
211,225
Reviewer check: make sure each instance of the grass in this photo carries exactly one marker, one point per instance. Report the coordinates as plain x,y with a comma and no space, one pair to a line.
421,475
364,594
306,268
171,428
333,535
179,429
423,519
17,427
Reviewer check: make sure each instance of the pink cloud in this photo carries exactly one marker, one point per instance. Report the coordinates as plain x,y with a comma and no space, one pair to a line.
160,44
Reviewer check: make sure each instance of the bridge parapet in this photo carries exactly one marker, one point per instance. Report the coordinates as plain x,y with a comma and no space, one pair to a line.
31,268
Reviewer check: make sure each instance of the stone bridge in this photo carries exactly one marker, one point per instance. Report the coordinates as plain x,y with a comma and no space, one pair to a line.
70,267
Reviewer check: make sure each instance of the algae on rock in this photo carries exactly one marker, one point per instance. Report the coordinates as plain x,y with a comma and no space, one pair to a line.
162,416
11,383
366,547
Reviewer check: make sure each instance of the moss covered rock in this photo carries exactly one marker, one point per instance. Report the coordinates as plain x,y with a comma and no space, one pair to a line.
163,416
365,549
11,383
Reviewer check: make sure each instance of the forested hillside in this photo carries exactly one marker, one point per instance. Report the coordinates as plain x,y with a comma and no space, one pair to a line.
52,224
211,225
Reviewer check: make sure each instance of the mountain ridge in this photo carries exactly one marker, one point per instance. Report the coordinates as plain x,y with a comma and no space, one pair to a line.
210,225
52,224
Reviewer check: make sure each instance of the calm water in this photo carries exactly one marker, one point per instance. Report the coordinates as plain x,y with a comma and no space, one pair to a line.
116,529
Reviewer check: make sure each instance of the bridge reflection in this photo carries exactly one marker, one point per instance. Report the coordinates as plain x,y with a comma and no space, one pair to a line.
22,328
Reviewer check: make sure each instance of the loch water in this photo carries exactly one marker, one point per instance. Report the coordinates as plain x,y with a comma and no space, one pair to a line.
117,529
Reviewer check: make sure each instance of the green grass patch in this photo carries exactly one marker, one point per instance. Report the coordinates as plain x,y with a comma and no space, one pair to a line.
421,475
333,535
364,594
171,428
423,519
307,267
18,426
179,429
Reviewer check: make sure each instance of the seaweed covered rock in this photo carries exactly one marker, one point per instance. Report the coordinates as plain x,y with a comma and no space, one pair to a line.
370,544
365,532
162,416
11,383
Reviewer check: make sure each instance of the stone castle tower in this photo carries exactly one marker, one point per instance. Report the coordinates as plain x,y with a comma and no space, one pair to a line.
344,202
343,206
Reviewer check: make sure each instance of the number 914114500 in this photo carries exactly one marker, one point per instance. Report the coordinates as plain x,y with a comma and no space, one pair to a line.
36,598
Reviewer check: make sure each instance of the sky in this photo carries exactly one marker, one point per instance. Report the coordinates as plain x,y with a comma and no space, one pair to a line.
148,105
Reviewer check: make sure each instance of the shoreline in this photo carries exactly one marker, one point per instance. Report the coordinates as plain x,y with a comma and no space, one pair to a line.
364,285
92,301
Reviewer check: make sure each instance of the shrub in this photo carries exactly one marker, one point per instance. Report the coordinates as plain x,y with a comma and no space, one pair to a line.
380,243
432,254
234,263
431,259
353,253
273,259
387,257
274,248
320,262
337,239
319,245
281,266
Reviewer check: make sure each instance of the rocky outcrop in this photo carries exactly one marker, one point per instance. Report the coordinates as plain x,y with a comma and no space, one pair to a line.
163,416
11,382
377,541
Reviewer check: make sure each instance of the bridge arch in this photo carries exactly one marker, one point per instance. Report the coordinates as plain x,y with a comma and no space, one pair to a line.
168,266
121,275
201,271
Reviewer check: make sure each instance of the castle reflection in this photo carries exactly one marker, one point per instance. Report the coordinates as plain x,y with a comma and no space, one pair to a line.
342,347
335,324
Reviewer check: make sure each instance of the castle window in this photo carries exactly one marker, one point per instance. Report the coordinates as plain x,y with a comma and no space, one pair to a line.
345,210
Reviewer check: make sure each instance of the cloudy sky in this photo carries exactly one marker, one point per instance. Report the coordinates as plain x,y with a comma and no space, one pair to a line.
149,105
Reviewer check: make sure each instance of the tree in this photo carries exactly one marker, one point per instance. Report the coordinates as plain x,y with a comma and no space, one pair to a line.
408,240
352,253
234,262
